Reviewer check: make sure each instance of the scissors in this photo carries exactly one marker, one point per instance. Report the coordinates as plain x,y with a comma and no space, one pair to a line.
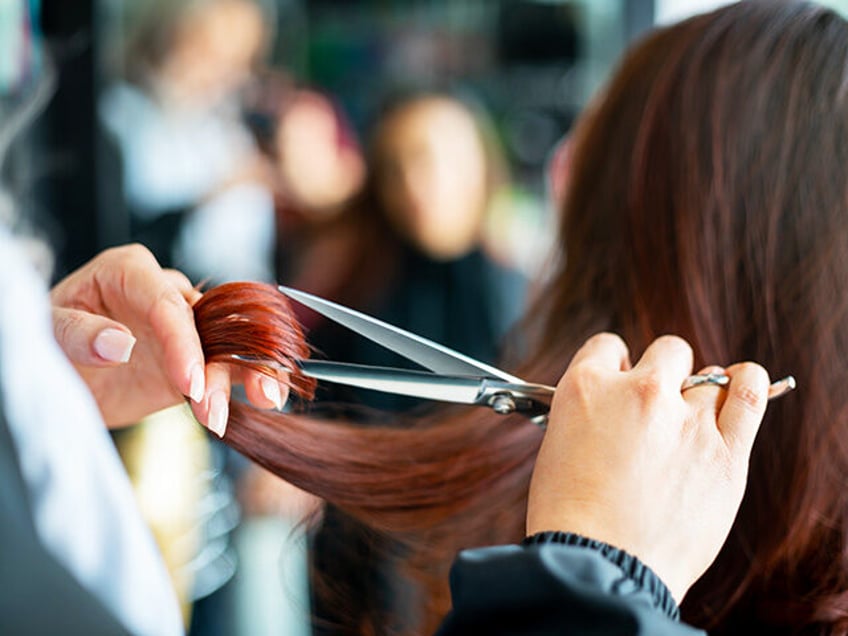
453,376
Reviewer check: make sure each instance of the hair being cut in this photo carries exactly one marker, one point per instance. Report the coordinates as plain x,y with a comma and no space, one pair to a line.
708,199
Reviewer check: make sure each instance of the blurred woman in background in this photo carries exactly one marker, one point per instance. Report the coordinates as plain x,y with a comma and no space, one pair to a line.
410,249
196,187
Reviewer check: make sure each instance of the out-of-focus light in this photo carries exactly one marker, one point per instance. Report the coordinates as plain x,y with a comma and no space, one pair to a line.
667,11
18,44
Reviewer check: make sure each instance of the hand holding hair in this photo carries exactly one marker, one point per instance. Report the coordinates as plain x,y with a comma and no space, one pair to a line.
127,326
630,460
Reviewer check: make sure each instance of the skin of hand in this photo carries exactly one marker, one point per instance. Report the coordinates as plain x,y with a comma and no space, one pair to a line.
631,460
127,326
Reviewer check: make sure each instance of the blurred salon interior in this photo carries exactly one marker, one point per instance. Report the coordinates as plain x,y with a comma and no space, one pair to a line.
388,154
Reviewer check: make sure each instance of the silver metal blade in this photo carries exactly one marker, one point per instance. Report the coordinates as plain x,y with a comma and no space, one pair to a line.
429,354
419,384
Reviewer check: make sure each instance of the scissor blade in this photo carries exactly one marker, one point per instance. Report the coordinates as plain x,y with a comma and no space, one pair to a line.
429,354
419,384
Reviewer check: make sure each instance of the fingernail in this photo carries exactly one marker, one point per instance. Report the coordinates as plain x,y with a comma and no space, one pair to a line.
114,345
271,390
219,411
195,391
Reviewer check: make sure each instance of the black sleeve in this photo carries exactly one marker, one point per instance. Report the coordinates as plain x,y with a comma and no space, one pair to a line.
559,583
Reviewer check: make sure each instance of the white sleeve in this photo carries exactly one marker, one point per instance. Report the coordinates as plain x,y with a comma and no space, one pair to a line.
83,505
230,237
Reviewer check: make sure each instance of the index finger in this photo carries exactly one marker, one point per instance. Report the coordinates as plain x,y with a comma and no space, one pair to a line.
606,350
151,294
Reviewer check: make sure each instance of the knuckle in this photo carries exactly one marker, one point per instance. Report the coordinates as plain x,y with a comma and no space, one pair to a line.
582,380
607,339
167,300
66,325
132,251
606,336
749,397
648,387
178,278
675,342
754,371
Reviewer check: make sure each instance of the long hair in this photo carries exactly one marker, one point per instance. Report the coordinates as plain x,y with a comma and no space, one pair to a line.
708,199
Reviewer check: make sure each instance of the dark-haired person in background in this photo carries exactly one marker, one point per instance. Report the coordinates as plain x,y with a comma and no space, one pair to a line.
411,249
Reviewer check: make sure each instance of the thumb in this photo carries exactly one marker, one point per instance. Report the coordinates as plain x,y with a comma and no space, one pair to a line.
91,340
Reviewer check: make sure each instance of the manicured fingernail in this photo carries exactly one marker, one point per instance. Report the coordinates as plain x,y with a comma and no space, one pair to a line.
219,411
195,391
271,390
114,345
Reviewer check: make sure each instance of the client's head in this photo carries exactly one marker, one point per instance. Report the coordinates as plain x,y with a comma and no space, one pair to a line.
706,198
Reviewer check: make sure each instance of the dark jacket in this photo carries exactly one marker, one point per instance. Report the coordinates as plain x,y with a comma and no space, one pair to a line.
559,584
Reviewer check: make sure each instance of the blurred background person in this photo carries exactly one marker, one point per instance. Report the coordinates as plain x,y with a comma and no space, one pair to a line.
321,167
195,184
318,164
410,248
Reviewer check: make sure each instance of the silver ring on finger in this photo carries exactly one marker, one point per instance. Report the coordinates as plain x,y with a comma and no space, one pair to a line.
701,379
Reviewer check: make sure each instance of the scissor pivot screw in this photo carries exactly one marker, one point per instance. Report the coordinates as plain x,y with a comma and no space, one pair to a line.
503,404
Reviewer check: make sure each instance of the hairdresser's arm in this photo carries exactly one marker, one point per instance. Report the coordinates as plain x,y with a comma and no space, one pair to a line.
128,327
635,487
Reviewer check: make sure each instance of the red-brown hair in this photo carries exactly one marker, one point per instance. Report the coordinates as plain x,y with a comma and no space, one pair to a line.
709,199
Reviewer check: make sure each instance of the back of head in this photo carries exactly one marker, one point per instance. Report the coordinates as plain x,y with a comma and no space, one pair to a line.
707,198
